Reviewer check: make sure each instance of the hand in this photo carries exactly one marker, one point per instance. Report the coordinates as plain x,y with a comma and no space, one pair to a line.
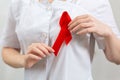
88,24
36,52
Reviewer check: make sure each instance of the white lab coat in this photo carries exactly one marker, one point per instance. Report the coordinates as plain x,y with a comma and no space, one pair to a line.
32,22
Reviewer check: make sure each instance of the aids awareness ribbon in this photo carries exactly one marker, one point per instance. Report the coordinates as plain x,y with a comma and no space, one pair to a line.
64,34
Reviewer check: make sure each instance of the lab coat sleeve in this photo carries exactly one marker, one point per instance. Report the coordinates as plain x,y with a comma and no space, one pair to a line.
104,14
9,36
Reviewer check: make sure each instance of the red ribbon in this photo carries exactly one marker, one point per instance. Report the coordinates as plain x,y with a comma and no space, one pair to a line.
64,34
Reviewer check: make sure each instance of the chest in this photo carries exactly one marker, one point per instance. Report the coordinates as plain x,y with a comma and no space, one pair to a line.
38,21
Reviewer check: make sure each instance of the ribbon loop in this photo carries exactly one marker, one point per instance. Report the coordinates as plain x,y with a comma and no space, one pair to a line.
64,34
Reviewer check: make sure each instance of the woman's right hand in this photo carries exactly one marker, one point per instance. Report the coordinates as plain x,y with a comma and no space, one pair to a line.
36,52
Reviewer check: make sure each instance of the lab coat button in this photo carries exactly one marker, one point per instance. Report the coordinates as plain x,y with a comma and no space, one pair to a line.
44,35
49,8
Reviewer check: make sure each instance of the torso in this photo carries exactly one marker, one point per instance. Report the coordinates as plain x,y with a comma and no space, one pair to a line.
39,22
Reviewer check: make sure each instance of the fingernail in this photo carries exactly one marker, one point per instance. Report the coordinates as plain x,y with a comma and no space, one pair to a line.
53,50
71,31
40,58
68,28
69,23
44,55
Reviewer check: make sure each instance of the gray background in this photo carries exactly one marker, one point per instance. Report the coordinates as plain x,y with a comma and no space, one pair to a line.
102,69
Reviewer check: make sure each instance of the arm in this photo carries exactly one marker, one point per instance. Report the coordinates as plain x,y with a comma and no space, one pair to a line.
87,24
12,57
35,52
11,47
112,48
104,27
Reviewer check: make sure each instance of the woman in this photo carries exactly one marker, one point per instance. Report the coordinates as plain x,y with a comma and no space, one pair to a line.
32,30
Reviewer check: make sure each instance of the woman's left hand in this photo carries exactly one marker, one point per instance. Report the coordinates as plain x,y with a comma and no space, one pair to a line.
88,24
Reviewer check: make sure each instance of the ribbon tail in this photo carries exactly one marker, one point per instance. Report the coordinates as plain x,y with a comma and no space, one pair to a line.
68,39
60,39
64,33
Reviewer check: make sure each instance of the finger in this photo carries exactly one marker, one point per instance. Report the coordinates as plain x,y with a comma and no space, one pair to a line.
79,17
81,26
48,48
43,49
87,30
77,22
38,52
32,56
31,60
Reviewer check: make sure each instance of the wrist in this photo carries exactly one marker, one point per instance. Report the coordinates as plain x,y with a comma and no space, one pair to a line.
110,38
23,61
110,35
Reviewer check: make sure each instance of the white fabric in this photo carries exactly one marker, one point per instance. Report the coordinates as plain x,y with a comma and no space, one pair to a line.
33,22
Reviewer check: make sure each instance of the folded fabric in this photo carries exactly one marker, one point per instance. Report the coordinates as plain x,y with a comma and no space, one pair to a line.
64,34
